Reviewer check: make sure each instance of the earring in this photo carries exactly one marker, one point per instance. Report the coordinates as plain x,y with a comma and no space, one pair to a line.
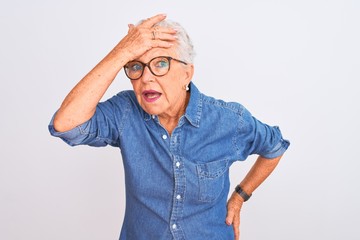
186,87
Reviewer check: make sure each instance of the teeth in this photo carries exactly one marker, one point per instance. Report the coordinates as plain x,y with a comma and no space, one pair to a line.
152,95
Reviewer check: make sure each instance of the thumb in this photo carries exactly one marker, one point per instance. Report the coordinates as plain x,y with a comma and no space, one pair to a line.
230,216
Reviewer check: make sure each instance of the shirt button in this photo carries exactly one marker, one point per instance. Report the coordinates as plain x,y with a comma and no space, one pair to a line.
177,164
174,226
178,197
164,137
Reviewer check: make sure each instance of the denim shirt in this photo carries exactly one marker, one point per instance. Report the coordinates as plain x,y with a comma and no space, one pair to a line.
177,185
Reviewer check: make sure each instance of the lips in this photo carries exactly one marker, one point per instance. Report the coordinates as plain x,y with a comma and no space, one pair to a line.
151,95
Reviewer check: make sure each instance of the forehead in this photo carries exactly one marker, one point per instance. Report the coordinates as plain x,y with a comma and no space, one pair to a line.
156,52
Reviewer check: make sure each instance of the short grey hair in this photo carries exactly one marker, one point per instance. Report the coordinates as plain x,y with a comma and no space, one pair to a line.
185,49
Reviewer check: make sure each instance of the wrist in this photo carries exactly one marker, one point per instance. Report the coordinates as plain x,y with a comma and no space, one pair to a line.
244,195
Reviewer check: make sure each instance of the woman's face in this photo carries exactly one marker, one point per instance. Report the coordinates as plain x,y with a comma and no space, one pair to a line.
164,96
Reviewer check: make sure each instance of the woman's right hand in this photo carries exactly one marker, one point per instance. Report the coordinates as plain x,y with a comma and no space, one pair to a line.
80,104
143,37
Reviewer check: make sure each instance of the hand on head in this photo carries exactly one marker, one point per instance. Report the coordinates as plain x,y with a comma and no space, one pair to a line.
145,36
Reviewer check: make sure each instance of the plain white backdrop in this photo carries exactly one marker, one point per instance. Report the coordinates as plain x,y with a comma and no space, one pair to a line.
291,63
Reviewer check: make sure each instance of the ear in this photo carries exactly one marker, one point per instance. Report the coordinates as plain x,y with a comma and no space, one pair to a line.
189,73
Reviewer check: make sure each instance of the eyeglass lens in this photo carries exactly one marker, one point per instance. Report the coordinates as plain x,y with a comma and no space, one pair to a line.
158,66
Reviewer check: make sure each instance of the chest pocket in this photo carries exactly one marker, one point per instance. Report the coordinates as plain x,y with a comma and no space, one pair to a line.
211,179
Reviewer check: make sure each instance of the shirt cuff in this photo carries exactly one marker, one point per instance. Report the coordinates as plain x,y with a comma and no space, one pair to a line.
278,150
71,137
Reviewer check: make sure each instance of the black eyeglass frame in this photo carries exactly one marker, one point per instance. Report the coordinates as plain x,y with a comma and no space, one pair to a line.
148,65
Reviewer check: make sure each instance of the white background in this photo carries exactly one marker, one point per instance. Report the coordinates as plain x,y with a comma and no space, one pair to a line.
291,63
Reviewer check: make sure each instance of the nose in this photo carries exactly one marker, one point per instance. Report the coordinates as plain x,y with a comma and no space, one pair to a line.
147,75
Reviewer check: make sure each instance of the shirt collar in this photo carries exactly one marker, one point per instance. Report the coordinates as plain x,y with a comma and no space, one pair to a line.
193,109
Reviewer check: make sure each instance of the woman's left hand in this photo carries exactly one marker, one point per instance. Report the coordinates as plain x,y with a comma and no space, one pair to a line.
233,213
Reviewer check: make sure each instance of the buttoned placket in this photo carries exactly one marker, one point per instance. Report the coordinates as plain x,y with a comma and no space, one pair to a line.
179,186
179,179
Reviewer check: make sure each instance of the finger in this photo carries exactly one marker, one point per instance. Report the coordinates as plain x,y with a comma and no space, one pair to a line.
164,30
131,26
233,218
163,36
230,217
236,227
236,233
162,44
153,20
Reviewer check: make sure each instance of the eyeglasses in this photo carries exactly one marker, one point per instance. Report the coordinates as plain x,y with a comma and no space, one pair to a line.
159,66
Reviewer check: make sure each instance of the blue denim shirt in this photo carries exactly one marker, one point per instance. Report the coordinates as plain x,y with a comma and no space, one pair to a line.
177,186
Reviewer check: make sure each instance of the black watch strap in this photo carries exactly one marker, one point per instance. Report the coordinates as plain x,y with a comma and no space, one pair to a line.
242,193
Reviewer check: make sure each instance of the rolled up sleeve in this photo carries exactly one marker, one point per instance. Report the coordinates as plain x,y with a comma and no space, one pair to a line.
255,137
279,148
73,137
104,127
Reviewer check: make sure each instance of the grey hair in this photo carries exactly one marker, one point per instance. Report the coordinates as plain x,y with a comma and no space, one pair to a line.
185,49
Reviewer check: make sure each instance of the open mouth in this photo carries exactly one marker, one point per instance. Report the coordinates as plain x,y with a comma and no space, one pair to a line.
151,95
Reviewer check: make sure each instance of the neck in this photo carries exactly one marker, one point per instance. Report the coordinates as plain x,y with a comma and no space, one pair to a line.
170,119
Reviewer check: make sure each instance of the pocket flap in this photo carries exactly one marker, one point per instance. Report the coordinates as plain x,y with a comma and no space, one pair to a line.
212,169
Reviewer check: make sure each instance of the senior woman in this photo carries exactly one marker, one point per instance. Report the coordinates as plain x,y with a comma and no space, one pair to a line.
177,144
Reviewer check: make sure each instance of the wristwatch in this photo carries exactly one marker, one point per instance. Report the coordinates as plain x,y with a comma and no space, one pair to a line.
242,193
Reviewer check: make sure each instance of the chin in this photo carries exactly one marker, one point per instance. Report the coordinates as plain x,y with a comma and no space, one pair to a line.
151,110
